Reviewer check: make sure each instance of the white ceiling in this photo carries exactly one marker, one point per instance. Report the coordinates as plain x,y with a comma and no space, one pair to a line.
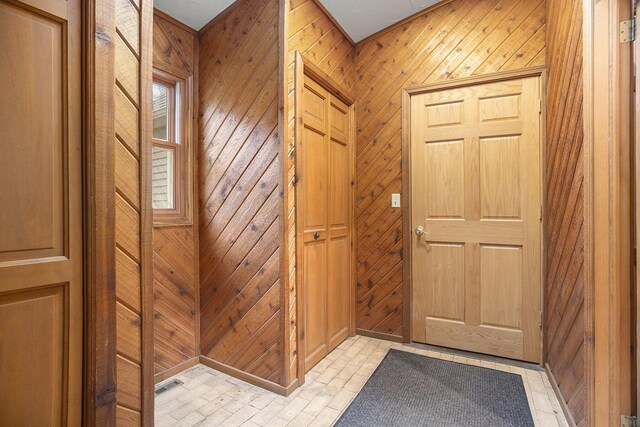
359,18
194,13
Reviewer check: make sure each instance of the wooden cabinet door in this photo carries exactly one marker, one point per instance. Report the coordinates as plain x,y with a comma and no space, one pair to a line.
476,191
325,159
40,214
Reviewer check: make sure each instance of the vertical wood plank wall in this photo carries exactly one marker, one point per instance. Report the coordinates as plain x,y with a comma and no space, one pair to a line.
240,190
134,320
311,32
457,39
564,321
175,259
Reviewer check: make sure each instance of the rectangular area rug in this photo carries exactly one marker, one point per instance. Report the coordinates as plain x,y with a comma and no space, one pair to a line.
408,389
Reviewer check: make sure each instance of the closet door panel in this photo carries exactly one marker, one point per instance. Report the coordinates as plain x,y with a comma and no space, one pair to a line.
339,223
314,186
324,169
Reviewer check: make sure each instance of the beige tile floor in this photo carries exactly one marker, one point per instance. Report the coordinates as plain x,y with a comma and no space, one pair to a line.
211,398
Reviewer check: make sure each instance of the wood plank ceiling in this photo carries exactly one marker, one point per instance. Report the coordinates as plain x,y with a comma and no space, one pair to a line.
175,267
239,177
565,314
456,39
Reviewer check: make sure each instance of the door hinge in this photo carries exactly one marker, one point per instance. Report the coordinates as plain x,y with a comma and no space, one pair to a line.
540,106
540,319
628,30
628,421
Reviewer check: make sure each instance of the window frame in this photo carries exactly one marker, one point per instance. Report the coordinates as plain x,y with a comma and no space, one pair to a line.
181,142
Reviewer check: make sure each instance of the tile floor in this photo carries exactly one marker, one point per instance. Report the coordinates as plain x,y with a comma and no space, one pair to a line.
211,398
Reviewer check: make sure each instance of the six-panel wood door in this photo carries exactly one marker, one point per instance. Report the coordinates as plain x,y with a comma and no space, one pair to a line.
476,191
325,173
40,214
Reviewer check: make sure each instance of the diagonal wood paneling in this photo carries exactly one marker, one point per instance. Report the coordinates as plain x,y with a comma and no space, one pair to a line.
134,395
457,39
175,260
174,296
564,320
311,32
239,190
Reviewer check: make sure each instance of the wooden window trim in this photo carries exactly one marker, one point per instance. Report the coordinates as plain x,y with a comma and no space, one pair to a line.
182,212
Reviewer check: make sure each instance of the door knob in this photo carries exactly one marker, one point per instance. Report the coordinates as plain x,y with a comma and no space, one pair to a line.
316,236
420,231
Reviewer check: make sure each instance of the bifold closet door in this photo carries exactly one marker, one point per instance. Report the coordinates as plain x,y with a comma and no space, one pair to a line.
324,167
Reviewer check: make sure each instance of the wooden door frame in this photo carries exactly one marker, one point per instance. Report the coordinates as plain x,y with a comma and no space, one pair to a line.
407,230
636,198
99,234
304,67
99,394
608,211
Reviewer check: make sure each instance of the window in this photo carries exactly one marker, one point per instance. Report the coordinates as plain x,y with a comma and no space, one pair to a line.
172,189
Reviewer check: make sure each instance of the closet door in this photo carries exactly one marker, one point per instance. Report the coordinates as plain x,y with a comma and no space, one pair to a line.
314,191
325,172
41,214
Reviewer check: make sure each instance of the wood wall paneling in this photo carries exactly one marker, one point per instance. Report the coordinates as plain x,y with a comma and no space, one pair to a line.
175,259
240,191
564,320
457,39
310,31
134,320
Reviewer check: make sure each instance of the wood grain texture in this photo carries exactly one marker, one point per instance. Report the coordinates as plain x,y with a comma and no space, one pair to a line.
310,31
134,319
459,39
564,319
174,46
175,259
240,190
100,259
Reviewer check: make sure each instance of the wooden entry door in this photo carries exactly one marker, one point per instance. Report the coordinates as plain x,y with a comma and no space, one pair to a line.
325,155
476,215
40,214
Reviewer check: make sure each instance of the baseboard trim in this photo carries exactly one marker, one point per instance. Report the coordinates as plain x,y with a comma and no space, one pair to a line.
161,376
556,389
250,378
379,335
292,387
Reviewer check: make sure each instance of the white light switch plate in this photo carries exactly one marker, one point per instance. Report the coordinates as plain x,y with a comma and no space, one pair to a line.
395,200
